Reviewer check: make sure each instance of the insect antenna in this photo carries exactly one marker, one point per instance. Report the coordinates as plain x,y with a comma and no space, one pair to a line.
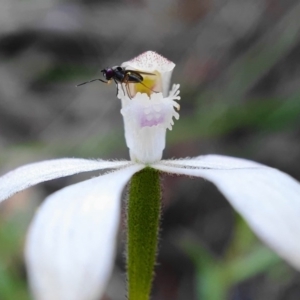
97,79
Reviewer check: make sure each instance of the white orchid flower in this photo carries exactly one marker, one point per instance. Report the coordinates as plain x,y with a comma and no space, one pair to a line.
71,242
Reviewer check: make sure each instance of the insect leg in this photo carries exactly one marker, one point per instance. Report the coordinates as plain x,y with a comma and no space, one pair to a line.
116,86
128,90
126,82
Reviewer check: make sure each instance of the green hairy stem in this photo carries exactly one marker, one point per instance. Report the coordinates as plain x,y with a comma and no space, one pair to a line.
143,214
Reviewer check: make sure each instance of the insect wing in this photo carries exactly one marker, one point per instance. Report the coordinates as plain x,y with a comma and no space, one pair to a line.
140,72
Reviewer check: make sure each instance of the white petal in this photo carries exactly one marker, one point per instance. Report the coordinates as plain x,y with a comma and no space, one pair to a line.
29,175
71,241
267,198
212,162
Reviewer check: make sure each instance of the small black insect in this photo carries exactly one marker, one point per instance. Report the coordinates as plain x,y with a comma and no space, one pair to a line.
121,75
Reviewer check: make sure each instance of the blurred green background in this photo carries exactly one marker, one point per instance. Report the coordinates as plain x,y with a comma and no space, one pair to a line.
238,66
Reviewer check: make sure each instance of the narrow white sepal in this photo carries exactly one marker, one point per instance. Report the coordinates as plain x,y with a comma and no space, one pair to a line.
71,242
267,198
31,174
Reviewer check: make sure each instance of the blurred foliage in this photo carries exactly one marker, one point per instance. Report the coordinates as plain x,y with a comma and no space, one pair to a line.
12,269
244,258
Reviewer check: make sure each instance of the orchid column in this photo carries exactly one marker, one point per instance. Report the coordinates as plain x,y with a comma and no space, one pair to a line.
147,116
